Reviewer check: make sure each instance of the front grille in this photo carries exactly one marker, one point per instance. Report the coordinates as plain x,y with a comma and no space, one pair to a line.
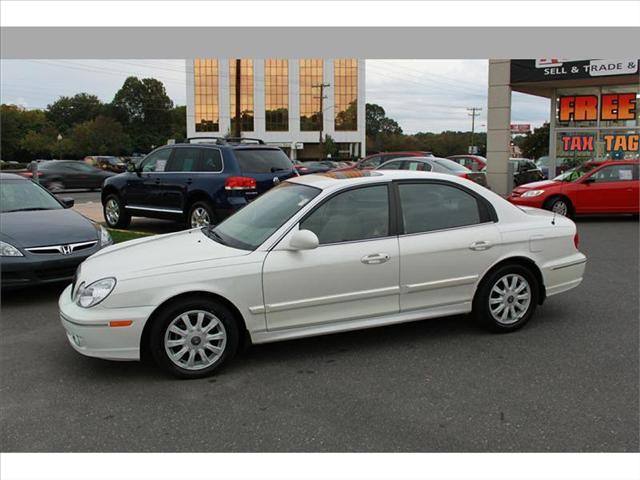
62,249
54,273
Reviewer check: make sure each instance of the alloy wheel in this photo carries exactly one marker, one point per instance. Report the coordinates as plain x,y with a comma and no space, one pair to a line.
509,299
55,186
195,340
112,211
200,218
560,207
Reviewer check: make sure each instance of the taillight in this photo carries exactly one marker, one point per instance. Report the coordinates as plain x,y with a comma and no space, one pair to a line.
464,175
240,183
30,174
576,240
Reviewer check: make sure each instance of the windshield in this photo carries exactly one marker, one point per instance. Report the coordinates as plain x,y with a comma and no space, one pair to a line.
450,165
257,160
574,174
250,227
23,195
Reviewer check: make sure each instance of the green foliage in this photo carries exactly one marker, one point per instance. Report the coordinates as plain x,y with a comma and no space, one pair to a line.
377,123
329,147
66,112
141,116
536,143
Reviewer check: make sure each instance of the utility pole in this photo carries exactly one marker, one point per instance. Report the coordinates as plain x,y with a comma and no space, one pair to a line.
237,131
475,112
321,86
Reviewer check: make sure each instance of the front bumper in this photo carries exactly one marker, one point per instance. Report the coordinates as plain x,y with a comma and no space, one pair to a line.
89,333
43,268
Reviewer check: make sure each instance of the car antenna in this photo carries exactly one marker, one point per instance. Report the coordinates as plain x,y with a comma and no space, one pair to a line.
553,220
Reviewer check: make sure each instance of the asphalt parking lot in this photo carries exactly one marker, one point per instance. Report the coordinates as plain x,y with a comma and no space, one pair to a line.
568,381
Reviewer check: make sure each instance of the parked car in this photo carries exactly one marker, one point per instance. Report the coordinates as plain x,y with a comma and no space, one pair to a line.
434,164
41,239
112,164
594,187
59,175
475,163
306,168
525,171
543,163
321,254
374,161
200,183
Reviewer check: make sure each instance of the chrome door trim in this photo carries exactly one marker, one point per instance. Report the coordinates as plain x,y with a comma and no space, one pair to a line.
153,209
449,282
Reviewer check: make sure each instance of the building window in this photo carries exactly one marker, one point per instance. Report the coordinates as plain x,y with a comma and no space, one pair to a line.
246,94
207,112
345,81
310,93
276,84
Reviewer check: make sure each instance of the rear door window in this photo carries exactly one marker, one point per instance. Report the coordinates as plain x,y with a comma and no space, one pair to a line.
257,160
210,160
183,160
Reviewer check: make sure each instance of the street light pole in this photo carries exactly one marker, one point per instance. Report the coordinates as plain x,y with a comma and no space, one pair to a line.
475,112
321,86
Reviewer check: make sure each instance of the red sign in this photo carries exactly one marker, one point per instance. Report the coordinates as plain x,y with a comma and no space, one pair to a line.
577,143
612,142
584,108
520,128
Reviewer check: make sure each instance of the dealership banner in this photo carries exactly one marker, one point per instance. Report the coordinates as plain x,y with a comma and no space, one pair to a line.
545,69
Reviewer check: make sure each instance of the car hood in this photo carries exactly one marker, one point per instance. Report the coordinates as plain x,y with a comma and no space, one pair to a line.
40,228
159,255
538,185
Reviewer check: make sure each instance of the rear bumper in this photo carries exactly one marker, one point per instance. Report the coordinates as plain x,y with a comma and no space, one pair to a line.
565,274
89,333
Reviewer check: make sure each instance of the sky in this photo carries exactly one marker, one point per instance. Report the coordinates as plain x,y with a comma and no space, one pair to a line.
421,95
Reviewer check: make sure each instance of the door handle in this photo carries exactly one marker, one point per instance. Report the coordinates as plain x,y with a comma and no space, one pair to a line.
189,181
157,181
375,258
481,245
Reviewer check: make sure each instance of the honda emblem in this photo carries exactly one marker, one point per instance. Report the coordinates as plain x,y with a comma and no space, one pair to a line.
66,249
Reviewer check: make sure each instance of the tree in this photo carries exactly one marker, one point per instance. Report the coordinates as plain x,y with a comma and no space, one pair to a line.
66,112
144,109
329,146
378,123
16,122
536,144
102,136
179,123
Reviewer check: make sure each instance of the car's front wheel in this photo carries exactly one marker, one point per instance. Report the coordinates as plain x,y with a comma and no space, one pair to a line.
114,212
559,205
507,298
193,337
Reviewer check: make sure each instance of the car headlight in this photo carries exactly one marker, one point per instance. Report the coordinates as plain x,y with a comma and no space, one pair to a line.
8,250
532,193
92,294
105,237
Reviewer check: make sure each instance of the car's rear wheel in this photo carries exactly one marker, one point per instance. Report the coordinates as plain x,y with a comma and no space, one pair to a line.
200,215
193,337
55,186
559,205
114,212
507,298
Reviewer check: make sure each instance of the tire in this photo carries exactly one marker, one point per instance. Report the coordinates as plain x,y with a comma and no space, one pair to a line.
114,212
559,205
200,215
55,186
189,347
518,311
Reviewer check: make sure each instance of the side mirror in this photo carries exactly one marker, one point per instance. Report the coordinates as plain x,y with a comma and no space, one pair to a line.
67,202
304,240
131,167
589,180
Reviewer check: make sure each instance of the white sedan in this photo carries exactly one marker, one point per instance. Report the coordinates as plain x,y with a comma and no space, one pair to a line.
321,254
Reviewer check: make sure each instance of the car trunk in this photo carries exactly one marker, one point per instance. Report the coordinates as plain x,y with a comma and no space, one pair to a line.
478,177
268,166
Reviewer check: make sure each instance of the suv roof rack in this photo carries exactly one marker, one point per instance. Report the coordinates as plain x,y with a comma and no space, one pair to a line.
223,140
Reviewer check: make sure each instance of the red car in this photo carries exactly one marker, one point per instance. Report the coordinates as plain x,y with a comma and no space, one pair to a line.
594,187
374,161
475,163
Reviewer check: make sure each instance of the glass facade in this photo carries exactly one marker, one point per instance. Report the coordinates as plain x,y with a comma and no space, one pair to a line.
276,99
311,76
597,123
207,111
345,81
246,94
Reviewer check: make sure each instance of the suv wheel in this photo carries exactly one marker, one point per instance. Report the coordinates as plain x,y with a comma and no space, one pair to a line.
200,215
114,213
193,337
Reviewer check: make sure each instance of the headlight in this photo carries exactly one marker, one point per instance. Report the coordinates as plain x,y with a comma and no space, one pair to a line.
8,250
90,295
533,193
105,237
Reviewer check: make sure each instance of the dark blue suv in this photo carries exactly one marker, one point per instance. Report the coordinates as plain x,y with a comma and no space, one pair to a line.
200,183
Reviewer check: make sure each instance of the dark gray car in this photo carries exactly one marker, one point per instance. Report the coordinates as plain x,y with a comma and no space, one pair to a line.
41,239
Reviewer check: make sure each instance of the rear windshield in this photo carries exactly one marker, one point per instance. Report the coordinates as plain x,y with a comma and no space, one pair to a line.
450,165
262,160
